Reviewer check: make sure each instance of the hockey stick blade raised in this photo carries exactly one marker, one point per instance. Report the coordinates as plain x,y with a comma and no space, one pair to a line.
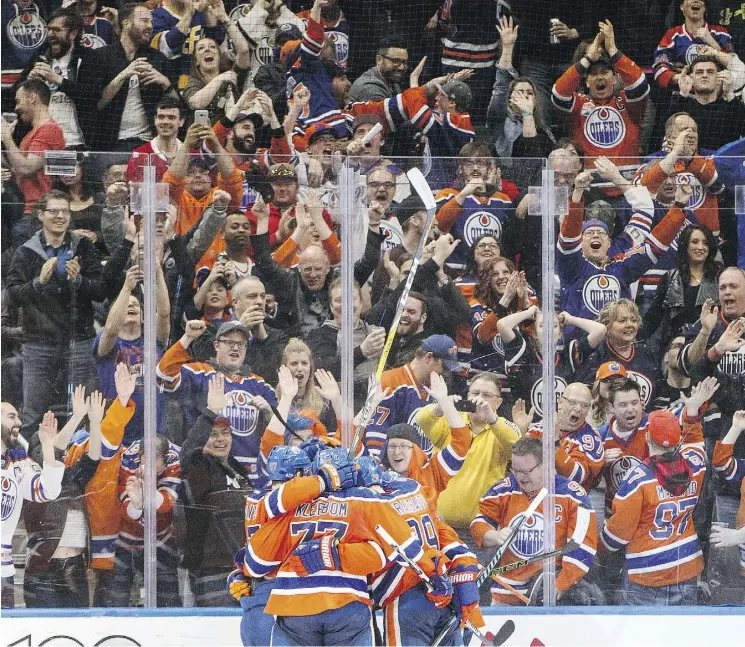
419,184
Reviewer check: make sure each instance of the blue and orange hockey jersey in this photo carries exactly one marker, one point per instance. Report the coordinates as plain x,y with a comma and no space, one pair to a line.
678,48
101,493
586,287
176,373
351,515
605,128
505,504
479,215
656,527
635,449
579,456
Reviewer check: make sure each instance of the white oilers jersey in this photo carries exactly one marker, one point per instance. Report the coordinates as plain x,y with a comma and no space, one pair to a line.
23,478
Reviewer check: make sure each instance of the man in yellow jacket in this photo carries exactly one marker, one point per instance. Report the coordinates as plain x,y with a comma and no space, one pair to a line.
487,458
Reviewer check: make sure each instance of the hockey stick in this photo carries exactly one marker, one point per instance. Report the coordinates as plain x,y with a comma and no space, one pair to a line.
484,575
511,589
487,638
505,631
420,185
567,548
444,631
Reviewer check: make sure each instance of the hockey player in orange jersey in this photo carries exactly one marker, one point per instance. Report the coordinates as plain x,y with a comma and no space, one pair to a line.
579,454
653,519
503,506
315,598
732,470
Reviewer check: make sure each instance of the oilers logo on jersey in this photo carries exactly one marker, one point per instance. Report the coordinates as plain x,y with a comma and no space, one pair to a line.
529,540
621,468
694,51
480,223
605,127
391,237
9,497
340,42
699,194
600,289
242,416
536,393
645,384
92,41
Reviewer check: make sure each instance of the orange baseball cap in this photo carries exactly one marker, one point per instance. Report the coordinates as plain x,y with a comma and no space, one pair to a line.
610,369
664,428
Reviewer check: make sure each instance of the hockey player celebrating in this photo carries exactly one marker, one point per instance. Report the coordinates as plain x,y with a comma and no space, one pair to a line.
504,505
23,478
652,519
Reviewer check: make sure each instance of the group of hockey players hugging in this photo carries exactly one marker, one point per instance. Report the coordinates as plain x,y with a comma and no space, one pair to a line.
258,502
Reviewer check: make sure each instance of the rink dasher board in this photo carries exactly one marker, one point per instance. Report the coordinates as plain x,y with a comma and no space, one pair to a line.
563,627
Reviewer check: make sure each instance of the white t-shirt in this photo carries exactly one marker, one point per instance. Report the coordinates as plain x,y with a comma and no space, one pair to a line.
134,123
62,108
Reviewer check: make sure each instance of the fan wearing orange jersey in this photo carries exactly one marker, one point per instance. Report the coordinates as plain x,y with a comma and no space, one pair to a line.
653,519
504,505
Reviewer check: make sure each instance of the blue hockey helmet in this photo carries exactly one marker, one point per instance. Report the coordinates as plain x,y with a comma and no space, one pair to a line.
286,462
335,456
369,471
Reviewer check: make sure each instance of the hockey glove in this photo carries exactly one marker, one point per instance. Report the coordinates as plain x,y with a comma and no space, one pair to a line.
238,585
338,478
320,554
466,594
441,595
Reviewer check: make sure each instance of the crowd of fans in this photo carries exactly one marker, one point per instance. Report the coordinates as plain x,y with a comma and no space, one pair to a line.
248,113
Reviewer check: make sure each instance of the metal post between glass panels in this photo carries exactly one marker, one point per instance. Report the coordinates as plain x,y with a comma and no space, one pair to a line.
548,242
150,360
347,182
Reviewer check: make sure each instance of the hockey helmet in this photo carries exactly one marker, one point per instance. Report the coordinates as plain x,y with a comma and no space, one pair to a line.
286,462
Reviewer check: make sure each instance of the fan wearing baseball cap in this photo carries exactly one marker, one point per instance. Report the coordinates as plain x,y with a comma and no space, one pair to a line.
652,519
410,389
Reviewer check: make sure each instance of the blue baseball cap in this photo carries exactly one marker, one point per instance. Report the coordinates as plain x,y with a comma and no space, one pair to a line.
594,222
443,347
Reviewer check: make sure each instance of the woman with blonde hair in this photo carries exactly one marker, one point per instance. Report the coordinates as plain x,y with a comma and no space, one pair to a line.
298,359
621,345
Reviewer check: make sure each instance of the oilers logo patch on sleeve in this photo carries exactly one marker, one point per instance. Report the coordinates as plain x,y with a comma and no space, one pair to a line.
621,468
599,290
604,127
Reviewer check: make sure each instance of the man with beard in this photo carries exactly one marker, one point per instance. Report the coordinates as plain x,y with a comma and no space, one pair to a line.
250,398
604,122
708,95
479,208
161,149
22,478
384,80
58,66
128,78
27,159
579,448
